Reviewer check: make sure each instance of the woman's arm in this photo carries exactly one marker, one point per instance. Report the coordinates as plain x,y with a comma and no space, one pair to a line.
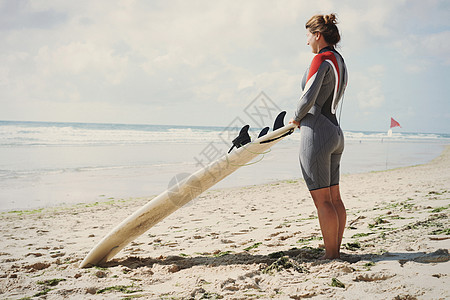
314,81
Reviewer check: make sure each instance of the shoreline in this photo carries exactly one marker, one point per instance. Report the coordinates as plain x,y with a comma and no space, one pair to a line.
259,241
242,179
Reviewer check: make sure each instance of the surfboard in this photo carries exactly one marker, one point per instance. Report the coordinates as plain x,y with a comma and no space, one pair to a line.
184,191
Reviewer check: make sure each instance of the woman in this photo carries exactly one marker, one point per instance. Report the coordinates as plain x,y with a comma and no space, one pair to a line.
321,138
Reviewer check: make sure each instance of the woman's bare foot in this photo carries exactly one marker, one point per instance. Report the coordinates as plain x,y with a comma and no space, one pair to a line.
329,257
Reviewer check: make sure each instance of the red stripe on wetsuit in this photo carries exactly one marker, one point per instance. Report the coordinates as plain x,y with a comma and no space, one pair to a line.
318,60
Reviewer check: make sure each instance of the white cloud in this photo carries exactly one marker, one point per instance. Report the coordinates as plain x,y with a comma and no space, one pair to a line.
370,90
4,76
432,47
76,58
365,23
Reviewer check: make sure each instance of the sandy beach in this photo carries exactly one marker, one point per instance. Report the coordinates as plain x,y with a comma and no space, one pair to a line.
256,242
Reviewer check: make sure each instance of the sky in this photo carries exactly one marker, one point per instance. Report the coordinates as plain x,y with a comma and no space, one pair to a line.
203,62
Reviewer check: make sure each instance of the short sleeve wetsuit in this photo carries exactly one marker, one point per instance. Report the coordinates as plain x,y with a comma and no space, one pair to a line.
321,138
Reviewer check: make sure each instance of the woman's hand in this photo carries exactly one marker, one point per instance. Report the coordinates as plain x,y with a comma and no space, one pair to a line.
292,121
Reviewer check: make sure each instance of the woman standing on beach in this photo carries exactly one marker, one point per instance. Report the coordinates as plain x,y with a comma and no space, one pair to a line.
321,138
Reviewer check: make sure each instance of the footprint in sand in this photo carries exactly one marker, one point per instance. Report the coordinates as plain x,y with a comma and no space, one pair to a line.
373,276
36,254
276,233
37,266
56,254
237,233
43,248
225,241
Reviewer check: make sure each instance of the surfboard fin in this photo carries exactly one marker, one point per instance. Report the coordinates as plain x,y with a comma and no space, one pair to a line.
242,139
263,132
279,121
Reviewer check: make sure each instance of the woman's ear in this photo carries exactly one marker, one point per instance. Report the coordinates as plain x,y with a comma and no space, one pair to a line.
317,36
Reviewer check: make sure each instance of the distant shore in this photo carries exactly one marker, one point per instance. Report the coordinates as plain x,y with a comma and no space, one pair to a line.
254,242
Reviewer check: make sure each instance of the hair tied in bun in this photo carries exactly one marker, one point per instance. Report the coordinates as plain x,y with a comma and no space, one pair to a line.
330,19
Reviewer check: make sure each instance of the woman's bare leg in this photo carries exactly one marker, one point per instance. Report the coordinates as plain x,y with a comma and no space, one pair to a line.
328,220
340,210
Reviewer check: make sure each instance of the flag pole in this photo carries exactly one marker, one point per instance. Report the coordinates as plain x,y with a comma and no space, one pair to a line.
394,123
387,147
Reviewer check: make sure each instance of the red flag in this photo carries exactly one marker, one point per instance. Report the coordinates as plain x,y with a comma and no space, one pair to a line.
394,123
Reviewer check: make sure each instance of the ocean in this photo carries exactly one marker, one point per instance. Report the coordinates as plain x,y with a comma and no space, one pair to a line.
49,164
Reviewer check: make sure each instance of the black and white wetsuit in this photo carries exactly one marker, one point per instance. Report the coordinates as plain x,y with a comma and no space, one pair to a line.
321,138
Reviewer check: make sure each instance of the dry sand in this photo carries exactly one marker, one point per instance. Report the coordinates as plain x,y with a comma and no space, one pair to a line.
245,243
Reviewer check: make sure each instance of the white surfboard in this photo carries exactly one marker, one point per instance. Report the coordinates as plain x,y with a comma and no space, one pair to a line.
178,195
